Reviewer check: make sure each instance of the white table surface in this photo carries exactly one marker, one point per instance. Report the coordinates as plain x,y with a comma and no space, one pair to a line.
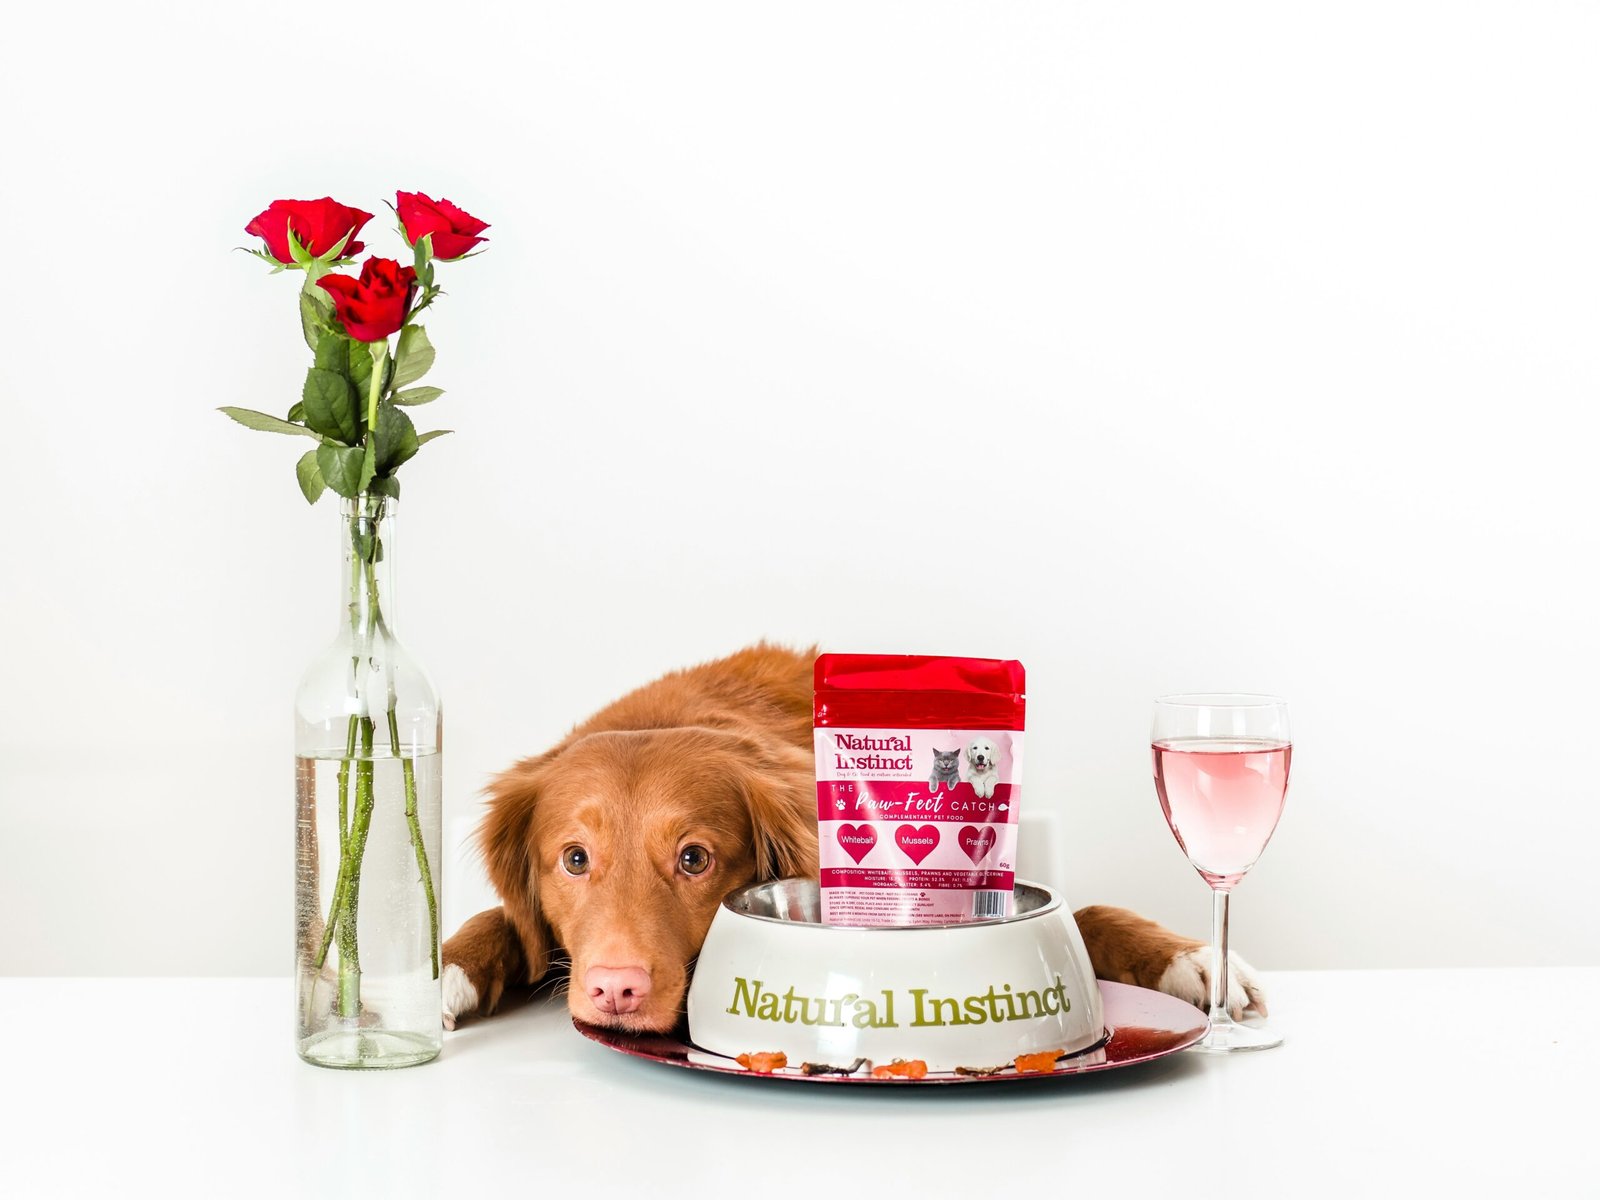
1471,1082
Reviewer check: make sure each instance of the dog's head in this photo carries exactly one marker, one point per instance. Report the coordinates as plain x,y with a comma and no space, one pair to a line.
618,848
982,754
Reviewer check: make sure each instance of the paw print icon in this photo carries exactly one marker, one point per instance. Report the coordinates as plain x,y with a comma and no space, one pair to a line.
839,804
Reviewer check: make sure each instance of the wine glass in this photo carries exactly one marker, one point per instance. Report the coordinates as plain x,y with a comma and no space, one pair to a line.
1221,764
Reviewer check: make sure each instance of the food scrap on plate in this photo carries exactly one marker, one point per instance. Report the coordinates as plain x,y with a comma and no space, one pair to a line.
901,1069
763,1063
1038,1064
811,1068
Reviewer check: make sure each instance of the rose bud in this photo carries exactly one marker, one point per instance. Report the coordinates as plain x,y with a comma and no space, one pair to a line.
374,306
318,226
455,232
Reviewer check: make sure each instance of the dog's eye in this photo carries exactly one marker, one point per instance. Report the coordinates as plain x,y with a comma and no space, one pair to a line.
694,860
575,860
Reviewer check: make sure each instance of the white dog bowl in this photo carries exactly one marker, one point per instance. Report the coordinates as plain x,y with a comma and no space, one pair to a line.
772,977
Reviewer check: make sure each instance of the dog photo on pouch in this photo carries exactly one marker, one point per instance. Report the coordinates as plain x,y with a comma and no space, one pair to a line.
612,850
983,766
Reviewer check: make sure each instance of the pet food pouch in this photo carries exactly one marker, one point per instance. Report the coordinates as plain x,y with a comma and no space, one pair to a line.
919,774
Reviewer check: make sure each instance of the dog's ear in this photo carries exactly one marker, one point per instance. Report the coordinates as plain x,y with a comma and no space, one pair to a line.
781,790
505,839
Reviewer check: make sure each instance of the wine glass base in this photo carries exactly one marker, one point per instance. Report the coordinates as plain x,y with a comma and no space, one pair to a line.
1230,1037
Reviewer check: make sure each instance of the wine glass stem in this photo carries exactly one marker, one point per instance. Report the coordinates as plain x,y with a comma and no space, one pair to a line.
1219,958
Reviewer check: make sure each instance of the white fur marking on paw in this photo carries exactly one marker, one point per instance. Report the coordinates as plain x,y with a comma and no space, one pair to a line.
1188,977
459,996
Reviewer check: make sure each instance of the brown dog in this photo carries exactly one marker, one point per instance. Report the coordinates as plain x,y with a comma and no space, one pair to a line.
616,846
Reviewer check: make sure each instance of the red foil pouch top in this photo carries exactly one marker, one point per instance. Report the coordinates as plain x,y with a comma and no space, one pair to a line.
919,779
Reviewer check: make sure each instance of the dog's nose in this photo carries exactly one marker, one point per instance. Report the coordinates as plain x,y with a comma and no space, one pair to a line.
617,990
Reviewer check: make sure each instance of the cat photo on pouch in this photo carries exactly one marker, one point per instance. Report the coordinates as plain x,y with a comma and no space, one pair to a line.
946,769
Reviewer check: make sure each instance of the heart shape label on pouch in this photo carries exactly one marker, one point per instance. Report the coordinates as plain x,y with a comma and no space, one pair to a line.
976,842
857,840
916,842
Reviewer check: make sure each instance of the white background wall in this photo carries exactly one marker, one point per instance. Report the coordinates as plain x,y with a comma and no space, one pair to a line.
1162,346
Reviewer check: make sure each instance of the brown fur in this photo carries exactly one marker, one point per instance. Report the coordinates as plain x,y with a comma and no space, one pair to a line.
718,755
1127,948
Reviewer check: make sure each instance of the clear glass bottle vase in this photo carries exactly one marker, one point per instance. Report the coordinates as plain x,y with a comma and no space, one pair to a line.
367,825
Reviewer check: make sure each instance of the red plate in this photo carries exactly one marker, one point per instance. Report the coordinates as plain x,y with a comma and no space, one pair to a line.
1142,1026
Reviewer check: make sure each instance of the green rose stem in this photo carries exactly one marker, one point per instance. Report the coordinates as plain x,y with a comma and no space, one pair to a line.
344,844
408,766
347,888
349,955
380,355
348,965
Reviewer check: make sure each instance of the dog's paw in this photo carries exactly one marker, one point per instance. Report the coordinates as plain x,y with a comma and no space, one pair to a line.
459,997
1188,977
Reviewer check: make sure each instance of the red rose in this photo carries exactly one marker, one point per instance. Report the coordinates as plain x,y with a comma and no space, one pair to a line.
455,232
318,226
374,306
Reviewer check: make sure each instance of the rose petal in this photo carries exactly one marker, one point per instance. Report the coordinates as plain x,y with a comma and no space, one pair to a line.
461,221
453,245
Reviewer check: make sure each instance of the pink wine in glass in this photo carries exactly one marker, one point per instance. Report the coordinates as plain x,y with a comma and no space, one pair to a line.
1222,797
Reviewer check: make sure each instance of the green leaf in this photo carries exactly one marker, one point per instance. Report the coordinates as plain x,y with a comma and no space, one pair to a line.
330,409
251,419
424,438
297,413
310,476
331,352
369,464
358,367
395,439
413,356
316,306
342,468
423,251
385,485
418,395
